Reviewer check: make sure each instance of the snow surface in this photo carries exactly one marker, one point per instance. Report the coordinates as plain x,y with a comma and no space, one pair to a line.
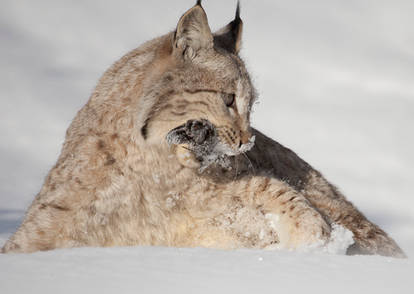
177,270
335,80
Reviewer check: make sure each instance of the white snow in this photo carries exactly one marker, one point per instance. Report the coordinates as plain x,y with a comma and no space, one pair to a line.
341,238
335,80
176,270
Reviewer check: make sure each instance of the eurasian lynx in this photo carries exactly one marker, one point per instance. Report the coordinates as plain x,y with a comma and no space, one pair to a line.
163,154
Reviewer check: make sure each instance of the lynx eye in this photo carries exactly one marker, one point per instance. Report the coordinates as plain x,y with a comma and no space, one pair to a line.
228,99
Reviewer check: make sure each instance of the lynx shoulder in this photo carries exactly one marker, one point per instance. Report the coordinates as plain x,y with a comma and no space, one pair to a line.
163,154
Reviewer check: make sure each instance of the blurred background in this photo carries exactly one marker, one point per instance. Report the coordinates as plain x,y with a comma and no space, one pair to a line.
335,79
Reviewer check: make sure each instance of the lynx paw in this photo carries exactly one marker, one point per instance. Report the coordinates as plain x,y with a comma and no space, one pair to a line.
303,229
308,229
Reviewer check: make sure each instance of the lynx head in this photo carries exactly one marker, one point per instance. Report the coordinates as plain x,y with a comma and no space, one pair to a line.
198,76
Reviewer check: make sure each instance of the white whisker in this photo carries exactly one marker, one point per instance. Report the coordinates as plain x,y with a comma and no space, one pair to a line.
250,163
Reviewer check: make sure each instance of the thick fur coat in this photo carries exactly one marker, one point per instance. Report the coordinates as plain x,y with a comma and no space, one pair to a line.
163,154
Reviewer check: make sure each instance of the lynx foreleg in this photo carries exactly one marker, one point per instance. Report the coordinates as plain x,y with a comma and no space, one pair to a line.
297,223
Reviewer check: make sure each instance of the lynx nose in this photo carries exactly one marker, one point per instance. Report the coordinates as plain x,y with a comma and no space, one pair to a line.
244,138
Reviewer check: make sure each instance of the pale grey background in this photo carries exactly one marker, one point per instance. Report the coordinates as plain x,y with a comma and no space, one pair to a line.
335,78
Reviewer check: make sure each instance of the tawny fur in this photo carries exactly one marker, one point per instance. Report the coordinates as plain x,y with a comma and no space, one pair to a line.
118,183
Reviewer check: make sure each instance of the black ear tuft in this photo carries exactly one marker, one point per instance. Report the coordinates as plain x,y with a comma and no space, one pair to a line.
198,2
237,17
229,37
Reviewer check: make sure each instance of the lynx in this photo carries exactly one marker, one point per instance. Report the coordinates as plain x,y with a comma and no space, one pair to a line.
163,154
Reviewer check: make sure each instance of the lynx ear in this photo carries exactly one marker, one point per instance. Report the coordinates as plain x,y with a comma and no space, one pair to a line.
193,33
229,37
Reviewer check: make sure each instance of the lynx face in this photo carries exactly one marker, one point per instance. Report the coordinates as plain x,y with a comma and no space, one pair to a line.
201,79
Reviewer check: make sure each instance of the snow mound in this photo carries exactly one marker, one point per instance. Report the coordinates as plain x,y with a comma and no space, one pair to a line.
341,238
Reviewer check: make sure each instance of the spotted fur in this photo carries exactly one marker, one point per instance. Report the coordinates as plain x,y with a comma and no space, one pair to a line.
119,181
